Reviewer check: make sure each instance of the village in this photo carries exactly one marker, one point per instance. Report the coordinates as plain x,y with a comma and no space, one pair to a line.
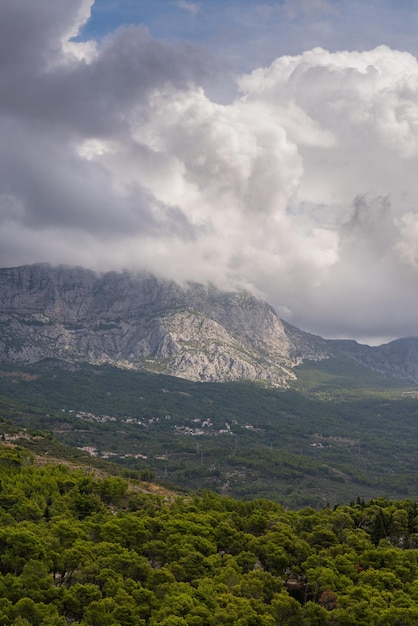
196,427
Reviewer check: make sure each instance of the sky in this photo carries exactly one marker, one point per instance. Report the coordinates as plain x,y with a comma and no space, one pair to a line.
262,145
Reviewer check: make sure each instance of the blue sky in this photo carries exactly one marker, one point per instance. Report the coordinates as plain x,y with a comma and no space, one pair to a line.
248,33
265,145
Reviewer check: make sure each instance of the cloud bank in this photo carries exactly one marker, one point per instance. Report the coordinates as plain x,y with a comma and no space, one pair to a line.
303,188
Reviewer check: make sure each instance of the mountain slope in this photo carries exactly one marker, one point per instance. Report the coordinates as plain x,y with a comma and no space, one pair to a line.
192,331
398,358
137,321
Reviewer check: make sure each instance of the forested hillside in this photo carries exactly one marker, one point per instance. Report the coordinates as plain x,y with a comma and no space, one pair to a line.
239,439
82,549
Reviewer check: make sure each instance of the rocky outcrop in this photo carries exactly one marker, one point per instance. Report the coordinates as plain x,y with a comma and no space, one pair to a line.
137,321
192,331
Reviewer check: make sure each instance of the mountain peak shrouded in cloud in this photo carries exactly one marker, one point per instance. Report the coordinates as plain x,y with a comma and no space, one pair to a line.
302,187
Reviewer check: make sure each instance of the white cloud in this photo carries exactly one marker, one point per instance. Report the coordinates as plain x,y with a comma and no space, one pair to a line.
303,188
190,7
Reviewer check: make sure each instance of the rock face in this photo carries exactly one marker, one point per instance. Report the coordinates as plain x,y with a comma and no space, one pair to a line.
137,321
193,332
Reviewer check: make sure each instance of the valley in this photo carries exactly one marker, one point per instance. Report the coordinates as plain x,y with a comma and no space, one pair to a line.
323,446
204,389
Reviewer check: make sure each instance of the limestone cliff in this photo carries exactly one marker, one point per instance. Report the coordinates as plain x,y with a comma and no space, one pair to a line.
137,321
193,331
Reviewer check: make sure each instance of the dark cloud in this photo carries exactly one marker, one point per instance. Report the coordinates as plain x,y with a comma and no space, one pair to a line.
32,33
52,100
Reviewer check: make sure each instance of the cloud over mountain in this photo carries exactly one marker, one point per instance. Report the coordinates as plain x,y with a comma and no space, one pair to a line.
302,187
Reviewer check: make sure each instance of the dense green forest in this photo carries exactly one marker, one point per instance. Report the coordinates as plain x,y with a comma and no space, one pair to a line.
338,436
88,548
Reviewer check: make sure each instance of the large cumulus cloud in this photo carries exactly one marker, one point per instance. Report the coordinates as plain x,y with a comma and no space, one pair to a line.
303,188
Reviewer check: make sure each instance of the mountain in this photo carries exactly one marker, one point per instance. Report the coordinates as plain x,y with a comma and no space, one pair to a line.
398,358
191,331
137,321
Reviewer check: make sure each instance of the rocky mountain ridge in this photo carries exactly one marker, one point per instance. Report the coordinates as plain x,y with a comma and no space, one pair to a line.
137,321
